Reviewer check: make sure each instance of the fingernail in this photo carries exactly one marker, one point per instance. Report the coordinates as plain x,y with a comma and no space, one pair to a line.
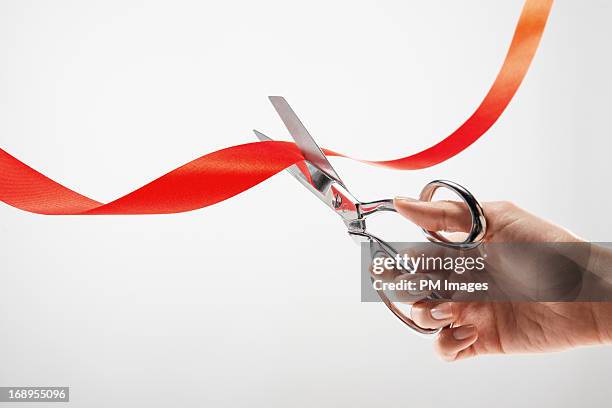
406,199
464,332
442,311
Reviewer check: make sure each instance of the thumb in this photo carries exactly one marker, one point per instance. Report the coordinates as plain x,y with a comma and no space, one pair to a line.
449,216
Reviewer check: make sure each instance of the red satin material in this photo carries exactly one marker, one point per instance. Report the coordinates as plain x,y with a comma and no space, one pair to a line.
222,174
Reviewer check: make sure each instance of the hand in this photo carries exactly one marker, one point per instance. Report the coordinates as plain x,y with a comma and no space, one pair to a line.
504,327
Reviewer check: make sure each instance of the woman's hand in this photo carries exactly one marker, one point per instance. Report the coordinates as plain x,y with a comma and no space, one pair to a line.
504,327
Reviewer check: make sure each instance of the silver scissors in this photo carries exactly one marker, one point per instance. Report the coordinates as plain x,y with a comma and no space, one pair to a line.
318,176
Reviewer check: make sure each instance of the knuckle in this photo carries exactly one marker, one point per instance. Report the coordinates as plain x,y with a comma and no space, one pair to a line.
502,206
443,353
449,358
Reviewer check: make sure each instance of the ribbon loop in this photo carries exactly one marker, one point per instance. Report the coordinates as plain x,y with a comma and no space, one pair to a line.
222,174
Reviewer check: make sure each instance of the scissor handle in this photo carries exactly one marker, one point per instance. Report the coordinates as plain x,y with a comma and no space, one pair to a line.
479,223
474,238
407,320
377,245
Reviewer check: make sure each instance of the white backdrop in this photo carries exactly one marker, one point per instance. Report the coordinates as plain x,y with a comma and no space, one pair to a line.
105,96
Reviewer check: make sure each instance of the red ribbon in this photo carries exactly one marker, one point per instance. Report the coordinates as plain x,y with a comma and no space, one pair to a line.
222,174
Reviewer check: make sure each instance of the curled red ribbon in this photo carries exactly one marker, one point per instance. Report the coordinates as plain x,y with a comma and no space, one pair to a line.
222,174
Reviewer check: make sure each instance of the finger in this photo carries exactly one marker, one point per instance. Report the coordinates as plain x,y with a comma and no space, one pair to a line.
431,315
415,250
450,216
455,340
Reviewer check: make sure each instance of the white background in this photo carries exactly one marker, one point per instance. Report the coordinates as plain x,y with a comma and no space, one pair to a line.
255,301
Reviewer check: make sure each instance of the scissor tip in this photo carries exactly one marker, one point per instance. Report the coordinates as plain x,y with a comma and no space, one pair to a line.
261,136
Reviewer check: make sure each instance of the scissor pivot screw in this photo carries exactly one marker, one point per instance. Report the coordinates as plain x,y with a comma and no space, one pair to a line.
337,201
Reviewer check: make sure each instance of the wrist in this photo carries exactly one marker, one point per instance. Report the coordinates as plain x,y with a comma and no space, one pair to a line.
602,319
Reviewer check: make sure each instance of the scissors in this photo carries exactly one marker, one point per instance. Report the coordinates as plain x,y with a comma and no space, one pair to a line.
318,176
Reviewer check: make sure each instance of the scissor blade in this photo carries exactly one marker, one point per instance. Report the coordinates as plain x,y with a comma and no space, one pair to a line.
311,151
318,182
